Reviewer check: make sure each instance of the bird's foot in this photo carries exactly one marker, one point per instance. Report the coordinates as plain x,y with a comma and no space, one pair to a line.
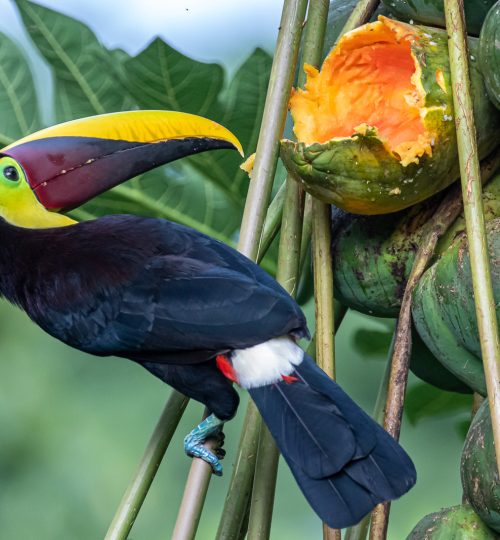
210,428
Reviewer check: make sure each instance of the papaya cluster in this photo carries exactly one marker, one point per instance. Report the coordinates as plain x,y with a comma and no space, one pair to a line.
383,198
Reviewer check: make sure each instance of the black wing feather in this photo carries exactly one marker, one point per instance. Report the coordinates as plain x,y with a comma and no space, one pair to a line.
149,289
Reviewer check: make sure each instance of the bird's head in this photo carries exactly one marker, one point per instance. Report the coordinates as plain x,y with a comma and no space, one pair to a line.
61,167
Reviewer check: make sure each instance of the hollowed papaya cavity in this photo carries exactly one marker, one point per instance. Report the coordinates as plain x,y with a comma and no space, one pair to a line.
375,126
370,80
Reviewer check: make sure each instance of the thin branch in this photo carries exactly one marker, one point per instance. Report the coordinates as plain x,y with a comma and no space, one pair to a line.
359,531
257,201
266,466
445,215
272,223
473,209
139,486
322,256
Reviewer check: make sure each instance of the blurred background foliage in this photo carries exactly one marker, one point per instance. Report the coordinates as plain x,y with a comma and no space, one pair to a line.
73,427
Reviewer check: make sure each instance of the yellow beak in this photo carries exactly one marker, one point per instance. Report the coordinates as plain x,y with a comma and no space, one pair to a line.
68,164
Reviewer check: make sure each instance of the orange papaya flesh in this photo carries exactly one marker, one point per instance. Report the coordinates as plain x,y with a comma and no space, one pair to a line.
375,131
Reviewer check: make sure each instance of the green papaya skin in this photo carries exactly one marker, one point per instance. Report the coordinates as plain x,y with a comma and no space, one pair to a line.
444,311
479,470
431,12
427,368
454,523
489,53
361,174
373,255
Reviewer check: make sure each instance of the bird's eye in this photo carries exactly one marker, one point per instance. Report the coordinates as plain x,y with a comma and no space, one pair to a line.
11,174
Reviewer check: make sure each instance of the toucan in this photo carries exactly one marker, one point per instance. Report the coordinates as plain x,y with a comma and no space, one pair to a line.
188,308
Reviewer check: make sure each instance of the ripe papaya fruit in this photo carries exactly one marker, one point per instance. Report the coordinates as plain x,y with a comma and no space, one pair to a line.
489,53
454,523
444,311
431,12
375,131
479,470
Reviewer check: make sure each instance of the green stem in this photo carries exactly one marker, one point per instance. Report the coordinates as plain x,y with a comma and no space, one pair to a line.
257,201
136,492
273,222
360,15
266,467
273,121
306,231
288,266
445,215
473,210
323,288
360,531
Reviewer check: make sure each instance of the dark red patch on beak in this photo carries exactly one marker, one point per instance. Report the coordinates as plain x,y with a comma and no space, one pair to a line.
65,172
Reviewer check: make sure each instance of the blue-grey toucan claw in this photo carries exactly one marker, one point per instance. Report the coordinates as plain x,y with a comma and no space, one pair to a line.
211,427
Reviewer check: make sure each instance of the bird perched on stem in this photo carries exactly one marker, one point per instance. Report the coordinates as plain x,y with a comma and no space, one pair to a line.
190,309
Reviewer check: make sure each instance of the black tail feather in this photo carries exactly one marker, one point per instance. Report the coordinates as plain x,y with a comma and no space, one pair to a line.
344,462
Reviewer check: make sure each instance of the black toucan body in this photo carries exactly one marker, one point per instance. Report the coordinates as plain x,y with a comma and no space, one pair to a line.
190,309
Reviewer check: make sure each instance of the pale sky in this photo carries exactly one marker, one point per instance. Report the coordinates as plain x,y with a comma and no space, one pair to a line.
208,30
222,31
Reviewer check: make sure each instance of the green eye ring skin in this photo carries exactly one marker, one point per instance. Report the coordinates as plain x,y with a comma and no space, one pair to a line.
11,173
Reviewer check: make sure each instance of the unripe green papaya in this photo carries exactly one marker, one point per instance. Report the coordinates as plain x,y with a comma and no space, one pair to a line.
479,469
373,255
426,367
489,53
431,12
375,130
444,310
454,523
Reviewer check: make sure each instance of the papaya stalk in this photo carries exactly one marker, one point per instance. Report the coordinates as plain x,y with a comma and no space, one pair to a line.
283,68
446,214
359,531
138,488
474,218
288,271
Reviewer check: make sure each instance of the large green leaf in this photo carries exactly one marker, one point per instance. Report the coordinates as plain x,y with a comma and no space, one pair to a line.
161,77
18,104
85,83
206,191
426,401
241,112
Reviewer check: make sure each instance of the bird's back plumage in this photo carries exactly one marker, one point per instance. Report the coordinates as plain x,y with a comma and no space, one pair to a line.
146,289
